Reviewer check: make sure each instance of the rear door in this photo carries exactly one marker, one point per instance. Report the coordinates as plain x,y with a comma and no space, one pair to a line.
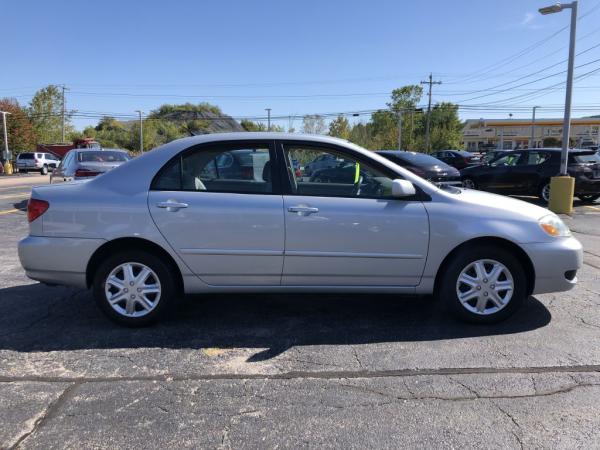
350,231
530,171
220,209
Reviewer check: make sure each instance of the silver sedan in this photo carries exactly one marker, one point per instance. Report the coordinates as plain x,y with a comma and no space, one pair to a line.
236,213
83,163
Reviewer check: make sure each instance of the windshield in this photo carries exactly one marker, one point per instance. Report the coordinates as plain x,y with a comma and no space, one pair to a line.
586,158
103,156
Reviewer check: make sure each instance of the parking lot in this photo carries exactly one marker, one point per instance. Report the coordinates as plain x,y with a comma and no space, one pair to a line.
295,371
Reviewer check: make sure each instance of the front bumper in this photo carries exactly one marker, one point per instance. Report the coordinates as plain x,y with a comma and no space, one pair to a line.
584,185
554,263
56,260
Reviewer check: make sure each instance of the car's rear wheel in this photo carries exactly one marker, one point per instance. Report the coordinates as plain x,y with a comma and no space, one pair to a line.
588,198
483,284
134,288
469,183
44,170
544,191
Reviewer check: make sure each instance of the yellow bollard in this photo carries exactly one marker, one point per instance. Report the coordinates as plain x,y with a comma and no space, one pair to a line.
8,168
562,189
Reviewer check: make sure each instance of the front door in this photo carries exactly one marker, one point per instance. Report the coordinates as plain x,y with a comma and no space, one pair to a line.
216,205
343,228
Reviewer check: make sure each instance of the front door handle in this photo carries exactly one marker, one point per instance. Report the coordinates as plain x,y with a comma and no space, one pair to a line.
172,205
303,210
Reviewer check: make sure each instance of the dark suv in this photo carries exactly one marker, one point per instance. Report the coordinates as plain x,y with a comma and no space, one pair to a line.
528,172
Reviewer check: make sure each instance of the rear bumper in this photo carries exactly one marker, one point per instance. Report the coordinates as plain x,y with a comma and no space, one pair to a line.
552,263
57,260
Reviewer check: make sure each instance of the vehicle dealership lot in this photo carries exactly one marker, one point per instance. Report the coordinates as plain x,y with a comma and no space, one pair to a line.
295,370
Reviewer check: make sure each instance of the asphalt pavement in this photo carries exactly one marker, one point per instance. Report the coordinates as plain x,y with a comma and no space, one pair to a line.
295,371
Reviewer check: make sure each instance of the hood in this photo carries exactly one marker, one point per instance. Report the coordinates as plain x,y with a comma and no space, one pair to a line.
501,204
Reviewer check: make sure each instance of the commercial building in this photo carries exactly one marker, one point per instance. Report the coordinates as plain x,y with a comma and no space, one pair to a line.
482,134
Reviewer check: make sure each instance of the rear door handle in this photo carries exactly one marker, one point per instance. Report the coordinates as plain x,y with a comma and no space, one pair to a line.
303,210
171,205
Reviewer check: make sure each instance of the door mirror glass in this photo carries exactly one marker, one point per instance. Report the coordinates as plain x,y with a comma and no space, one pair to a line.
402,188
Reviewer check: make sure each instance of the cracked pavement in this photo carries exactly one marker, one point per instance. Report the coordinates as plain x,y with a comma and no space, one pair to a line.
296,371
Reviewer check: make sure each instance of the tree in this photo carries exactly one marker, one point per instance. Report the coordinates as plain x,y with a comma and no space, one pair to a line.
249,125
446,127
339,127
313,124
406,97
18,126
45,113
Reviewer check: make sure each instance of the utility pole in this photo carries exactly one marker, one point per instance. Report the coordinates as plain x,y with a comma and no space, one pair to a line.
63,112
430,82
400,129
141,131
531,143
6,153
268,110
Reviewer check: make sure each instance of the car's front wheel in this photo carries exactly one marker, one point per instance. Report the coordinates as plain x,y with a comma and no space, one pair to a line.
469,183
134,288
483,284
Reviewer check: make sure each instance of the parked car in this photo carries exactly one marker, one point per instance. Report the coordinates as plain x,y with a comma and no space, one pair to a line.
528,172
456,158
36,161
156,227
321,162
426,166
83,163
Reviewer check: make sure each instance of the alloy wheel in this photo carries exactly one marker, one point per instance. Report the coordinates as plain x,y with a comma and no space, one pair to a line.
132,289
468,183
546,192
485,287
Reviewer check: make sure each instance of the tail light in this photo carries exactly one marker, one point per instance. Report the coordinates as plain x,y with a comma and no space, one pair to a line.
81,173
35,208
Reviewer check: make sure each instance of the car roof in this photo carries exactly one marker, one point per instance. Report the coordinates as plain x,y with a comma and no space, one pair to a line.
96,150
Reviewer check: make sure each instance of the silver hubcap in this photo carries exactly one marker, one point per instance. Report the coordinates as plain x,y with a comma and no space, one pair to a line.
132,289
546,192
468,184
484,287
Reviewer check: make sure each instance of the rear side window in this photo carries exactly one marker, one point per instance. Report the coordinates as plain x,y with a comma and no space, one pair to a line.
236,170
532,158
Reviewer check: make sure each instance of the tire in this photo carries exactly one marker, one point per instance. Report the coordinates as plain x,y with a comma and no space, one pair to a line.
44,170
588,198
499,304
544,191
469,183
130,310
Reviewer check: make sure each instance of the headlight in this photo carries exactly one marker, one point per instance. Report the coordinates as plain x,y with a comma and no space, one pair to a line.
555,227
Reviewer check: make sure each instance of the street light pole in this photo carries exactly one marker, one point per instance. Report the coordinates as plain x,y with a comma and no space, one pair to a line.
63,113
563,186
268,110
4,114
141,131
533,128
400,130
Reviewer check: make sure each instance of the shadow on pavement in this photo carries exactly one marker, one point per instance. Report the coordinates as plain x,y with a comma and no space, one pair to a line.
41,318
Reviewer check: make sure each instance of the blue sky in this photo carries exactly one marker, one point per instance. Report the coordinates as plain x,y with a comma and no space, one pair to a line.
295,57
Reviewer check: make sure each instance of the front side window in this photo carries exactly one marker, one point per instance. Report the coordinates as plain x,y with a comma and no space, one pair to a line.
347,177
239,170
508,160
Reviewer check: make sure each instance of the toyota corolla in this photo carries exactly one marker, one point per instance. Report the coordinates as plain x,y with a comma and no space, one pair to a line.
180,220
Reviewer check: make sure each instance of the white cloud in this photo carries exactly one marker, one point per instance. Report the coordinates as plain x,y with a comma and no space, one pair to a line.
528,18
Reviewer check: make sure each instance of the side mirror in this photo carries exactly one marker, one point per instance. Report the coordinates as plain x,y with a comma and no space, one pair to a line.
402,188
